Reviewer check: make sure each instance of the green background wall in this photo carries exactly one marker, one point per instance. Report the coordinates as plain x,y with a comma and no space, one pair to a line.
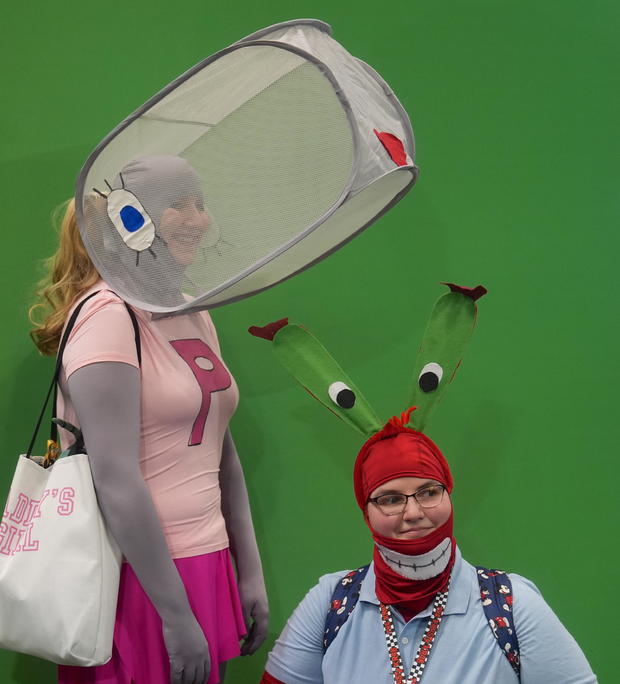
515,110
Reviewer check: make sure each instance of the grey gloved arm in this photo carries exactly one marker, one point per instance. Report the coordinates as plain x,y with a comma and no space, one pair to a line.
236,511
106,397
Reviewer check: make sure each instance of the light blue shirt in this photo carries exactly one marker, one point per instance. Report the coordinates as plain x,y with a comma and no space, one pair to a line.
464,652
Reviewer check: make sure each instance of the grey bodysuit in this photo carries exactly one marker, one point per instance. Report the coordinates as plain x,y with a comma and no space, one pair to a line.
106,397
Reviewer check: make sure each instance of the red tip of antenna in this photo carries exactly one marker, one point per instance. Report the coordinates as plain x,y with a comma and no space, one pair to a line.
268,332
473,293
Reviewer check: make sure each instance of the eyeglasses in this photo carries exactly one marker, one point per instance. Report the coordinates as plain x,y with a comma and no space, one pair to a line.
394,504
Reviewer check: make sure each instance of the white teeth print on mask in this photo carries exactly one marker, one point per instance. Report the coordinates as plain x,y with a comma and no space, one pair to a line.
421,567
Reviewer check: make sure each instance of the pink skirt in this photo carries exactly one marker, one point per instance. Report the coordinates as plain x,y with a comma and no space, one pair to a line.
139,655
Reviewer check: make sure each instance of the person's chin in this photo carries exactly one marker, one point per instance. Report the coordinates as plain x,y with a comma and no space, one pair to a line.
182,258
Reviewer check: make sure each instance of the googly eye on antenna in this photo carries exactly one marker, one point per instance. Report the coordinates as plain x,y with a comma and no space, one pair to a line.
444,342
342,395
430,377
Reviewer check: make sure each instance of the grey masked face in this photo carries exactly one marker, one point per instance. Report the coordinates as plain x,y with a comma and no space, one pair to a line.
152,220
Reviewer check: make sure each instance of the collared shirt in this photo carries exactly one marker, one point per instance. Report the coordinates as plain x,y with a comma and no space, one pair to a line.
464,652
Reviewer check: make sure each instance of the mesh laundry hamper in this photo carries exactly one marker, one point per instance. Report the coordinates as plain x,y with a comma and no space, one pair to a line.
290,146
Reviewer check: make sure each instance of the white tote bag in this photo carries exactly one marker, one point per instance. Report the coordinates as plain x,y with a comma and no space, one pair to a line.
59,565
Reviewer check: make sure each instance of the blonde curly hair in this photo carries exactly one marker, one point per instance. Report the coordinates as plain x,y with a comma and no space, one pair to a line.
69,273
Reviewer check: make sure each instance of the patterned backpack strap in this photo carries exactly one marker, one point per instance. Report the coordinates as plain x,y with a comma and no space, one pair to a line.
343,600
496,596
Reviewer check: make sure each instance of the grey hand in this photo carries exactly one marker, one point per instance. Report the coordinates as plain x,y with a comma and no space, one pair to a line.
255,613
188,651
236,510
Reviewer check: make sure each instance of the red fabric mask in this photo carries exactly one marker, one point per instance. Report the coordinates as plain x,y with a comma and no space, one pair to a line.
397,451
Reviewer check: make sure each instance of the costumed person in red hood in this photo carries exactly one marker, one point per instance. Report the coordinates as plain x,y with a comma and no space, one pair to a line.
419,611
403,485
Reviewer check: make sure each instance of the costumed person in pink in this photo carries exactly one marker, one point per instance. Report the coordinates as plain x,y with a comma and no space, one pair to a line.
155,425
419,612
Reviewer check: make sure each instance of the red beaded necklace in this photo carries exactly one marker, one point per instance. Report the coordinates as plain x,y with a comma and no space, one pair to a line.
424,650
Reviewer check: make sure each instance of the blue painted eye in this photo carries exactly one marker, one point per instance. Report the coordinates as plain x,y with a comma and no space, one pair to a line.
132,219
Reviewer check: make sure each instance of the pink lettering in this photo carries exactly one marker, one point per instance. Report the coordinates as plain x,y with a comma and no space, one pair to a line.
9,538
44,496
66,505
33,509
20,508
215,378
18,547
29,543
19,537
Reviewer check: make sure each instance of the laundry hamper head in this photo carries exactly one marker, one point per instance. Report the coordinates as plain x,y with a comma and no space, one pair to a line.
254,164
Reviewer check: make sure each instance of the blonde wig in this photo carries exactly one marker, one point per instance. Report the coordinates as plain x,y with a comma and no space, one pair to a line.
69,273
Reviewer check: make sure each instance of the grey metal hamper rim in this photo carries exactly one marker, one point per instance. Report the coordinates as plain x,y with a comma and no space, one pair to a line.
317,23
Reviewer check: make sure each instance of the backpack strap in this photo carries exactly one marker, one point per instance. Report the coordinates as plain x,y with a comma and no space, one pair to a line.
496,596
344,599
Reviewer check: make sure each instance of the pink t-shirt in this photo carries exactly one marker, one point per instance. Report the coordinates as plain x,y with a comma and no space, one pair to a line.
188,398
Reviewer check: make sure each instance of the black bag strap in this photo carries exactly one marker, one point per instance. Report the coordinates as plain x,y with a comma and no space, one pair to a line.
53,388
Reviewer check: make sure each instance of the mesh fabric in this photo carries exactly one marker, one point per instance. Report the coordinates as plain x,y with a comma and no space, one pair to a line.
248,162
